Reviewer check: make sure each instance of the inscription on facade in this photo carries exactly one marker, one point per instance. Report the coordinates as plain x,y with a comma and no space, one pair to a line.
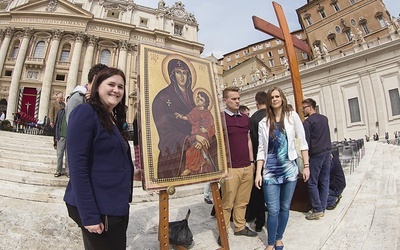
49,21
109,30
147,39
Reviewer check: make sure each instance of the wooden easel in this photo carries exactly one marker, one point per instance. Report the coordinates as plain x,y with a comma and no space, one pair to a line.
163,232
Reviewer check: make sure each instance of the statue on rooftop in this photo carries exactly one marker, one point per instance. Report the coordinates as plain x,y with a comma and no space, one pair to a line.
360,36
264,71
325,49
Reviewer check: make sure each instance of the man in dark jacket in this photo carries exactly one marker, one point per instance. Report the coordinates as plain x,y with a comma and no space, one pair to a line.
318,138
60,135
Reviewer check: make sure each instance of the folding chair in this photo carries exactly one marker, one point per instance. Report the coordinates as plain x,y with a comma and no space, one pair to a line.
347,157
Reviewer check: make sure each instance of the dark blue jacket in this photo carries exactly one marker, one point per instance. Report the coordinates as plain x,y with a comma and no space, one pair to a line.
101,168
318,135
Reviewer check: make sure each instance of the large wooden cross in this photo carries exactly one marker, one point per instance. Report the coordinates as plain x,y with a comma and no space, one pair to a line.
283,34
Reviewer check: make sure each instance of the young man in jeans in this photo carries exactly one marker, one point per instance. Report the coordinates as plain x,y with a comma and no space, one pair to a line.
318,138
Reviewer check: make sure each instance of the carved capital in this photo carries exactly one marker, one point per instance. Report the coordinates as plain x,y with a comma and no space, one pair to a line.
28,32
123,44
79,36
133,47
92,40
57,34
9,31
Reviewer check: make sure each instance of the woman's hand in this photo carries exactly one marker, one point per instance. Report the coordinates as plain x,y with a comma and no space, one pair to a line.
98,229
306,174
258,181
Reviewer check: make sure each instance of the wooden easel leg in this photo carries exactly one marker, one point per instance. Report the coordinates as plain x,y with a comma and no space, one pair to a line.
163,230
220,216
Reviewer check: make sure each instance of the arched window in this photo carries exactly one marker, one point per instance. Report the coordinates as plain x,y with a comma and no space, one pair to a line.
65,53
39,50
14,52
105,57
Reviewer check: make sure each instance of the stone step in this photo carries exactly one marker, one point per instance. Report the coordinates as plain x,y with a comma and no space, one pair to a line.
11,136
53,194
32,157
28,166
40,179
31,192
28,149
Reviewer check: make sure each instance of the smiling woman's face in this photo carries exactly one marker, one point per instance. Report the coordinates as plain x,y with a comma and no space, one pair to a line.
111,91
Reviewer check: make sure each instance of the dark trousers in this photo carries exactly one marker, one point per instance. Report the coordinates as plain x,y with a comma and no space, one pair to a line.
256,207
113,238
318,183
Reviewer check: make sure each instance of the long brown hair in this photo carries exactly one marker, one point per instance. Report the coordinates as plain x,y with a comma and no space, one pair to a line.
118,114
270,111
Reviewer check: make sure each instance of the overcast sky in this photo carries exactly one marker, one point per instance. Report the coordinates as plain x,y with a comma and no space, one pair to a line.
226,25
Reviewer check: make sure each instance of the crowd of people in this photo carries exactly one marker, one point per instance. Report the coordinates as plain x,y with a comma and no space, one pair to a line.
265,150
264,160
264,173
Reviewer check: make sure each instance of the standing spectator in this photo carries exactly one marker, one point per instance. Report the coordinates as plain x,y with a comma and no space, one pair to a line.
136,149
337,182
277,170
236,189
319,142
60,134
101,167
256,208
243,109
55,106
2,116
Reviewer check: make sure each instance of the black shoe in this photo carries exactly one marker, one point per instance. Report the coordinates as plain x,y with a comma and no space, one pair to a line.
335,204
246,232
258,229
57,175
208,200
219,241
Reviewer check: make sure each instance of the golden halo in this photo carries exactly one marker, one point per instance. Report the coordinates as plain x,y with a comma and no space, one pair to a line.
165,72
196,91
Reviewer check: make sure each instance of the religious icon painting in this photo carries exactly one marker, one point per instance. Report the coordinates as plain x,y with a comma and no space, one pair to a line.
181,132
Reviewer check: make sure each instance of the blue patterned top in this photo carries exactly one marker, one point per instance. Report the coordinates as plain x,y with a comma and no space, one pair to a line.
278,168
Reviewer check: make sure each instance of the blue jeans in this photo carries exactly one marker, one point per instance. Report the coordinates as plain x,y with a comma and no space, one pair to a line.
318,183
278,198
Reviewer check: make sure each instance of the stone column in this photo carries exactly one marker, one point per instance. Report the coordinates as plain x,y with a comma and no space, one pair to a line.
131,82
123,47
48,74
74,67
87,63
16,76
5,44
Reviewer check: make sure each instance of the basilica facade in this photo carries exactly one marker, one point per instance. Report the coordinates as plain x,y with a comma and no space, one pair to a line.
48,47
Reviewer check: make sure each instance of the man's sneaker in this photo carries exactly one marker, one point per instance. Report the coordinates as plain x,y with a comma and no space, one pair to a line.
314,215
246,232
208,200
